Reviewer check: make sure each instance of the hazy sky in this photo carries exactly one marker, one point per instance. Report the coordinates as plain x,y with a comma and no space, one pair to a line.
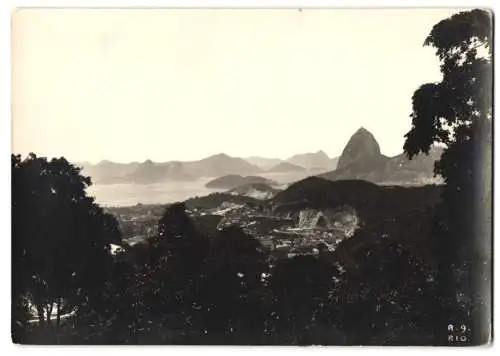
128,85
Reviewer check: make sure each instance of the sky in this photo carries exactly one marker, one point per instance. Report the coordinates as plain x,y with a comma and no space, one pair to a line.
130,85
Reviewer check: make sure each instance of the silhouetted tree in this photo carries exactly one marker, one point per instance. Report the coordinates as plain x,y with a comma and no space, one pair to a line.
457,112
230,292
176,257
301,288
179,240
60,237
385,295
122,314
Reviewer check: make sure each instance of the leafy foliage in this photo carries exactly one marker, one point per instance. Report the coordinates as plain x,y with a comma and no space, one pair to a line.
457,112
56,230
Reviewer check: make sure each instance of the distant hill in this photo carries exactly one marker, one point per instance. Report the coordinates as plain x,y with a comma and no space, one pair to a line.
263,162
286,167
232,181
317,160
106,170
149,172
218,165
362,159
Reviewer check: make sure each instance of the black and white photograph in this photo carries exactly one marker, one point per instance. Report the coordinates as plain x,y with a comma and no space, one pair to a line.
284,176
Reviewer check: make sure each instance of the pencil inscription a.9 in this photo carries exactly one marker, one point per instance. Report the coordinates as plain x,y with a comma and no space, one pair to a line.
457,333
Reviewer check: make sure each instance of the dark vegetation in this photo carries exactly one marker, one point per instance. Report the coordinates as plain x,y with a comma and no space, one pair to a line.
372,202
194,284
462,101
156,209
420,261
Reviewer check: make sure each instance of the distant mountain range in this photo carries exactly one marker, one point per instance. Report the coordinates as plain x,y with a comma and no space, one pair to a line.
151,172
147,172
360,159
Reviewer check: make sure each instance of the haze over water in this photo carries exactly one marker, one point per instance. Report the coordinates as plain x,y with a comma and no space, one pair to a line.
167,192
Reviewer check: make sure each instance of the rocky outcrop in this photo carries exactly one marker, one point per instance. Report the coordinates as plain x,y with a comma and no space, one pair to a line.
256,190
362,146
345,219
362,159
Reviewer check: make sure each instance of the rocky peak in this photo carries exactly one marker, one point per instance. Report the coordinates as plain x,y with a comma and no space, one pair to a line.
361,145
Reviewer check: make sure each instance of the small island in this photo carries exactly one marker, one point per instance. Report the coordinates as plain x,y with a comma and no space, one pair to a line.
232,181
286,167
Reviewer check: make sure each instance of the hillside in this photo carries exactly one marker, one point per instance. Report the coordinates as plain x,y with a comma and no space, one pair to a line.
263,162
334,162
255,190
286,167
316,160
369,199
106,170
150,172
218,165
318,193
232,181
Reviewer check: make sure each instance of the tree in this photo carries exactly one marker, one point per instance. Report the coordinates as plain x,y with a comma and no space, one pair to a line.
301,287
457,113
179,239
385,296
230,292
172,262
179,249
60,237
